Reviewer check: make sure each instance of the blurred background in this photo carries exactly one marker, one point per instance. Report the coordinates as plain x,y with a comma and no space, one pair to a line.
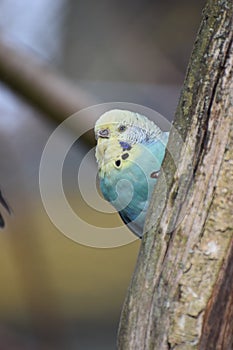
57,57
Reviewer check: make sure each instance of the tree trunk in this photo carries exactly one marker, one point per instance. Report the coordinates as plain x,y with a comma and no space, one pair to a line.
181,295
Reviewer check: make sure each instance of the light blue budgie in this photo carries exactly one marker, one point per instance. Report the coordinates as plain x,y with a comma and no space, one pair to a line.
129,152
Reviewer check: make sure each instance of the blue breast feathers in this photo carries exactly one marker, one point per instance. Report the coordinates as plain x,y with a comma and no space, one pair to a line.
129,188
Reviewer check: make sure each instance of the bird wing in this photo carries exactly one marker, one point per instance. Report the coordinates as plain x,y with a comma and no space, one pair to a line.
133,225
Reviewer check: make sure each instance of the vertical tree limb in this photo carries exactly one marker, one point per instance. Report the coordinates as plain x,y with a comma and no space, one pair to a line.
181,292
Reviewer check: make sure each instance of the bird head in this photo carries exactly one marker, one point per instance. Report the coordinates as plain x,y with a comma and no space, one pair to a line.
125,126
118,130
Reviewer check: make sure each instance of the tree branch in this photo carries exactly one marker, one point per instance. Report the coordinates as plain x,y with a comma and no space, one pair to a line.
42,86
184,259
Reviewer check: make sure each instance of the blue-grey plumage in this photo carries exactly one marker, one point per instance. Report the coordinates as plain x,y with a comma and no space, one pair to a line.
130,150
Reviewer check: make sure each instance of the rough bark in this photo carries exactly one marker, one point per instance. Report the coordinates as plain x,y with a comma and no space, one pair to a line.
181,295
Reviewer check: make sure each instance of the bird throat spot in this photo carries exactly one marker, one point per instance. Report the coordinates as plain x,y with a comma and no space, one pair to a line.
125,156
125,145
118,163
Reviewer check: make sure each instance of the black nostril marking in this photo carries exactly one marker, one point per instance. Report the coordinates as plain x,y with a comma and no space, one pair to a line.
118,162
125,156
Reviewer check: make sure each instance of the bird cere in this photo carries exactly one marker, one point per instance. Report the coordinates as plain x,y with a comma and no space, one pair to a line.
129,152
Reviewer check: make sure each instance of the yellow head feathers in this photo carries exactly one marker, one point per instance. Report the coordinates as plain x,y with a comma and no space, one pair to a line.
107,151
117,129
117,121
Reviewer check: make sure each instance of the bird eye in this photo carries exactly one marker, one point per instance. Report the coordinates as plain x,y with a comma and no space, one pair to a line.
122,128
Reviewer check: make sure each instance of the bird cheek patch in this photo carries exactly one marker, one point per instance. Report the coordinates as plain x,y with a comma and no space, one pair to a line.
125,145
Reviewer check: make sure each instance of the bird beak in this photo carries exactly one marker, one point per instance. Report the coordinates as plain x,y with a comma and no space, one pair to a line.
103,133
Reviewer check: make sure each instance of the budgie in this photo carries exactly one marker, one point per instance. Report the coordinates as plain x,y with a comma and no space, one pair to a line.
6,207
129,152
